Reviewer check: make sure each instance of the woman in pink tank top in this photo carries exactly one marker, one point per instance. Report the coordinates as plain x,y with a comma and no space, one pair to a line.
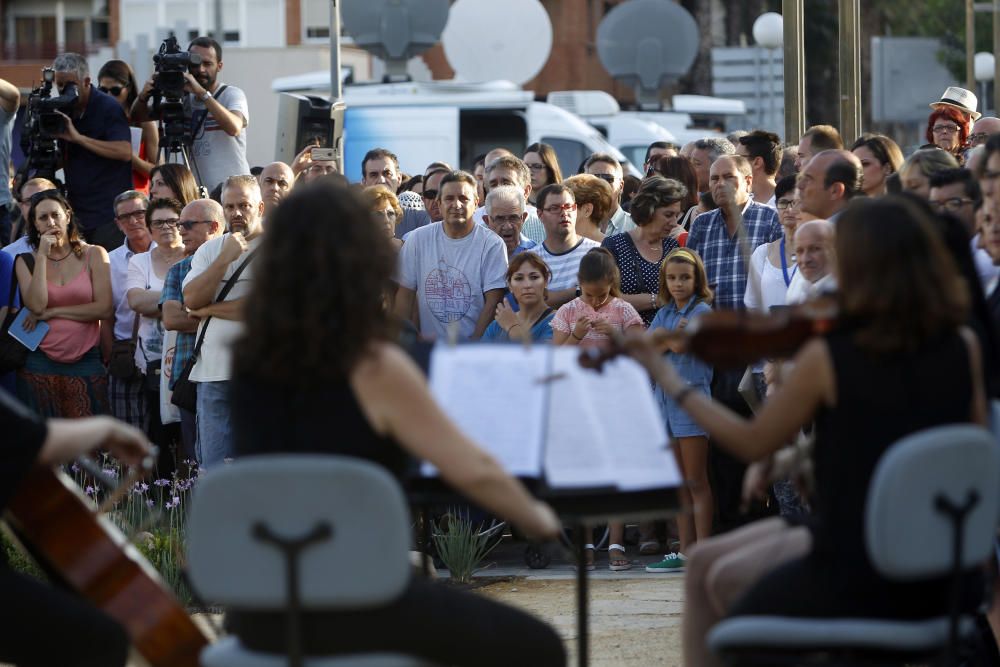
69,288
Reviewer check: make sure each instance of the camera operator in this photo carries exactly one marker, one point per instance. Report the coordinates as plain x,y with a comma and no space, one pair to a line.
10,98
98,152
218,115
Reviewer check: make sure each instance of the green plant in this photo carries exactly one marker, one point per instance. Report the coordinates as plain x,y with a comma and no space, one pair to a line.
461,545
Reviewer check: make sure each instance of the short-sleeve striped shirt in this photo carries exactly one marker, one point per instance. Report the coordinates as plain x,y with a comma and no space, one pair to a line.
565,265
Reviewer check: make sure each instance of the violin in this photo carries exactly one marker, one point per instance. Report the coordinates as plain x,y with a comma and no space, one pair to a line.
89,555
734,338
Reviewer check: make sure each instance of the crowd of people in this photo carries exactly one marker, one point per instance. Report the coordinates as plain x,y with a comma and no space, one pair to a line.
225,311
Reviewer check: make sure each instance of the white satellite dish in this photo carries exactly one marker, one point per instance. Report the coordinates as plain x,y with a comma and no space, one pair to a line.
486,40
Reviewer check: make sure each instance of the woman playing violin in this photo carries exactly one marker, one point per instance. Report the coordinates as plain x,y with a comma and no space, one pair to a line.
899,361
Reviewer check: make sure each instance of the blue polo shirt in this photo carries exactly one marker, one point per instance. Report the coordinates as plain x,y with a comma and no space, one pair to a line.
92,181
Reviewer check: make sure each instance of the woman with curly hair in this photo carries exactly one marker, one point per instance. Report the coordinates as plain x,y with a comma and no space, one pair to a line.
69,288
173,181
656,211
385,209
543,164
316,371
594,201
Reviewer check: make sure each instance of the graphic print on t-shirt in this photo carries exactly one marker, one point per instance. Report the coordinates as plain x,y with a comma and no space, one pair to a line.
448,293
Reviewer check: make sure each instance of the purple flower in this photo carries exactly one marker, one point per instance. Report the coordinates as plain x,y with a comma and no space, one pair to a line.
110,472
173,502
75,467
89,490
149,502
162,482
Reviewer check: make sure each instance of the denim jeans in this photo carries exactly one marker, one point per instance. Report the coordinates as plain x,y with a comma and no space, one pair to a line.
215,432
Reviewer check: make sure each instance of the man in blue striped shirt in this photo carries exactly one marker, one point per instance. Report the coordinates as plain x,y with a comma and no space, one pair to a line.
726,237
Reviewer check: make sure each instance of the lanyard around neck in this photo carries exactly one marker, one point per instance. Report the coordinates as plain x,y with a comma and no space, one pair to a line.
784,265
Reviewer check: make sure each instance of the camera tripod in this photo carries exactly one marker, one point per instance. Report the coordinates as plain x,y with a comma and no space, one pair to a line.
177,152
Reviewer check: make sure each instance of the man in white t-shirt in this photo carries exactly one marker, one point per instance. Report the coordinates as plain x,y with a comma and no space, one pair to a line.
219,117
212,266
563,248
453,270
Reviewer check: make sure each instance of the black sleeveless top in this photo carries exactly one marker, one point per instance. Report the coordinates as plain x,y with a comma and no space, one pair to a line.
272,419
880,399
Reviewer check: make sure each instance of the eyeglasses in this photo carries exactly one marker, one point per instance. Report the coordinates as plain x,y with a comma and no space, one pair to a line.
504,220
165,224
188,225
950,204
114,91
943,129
535,166
137,214
978,138
430,194
608,178
555,210
783,204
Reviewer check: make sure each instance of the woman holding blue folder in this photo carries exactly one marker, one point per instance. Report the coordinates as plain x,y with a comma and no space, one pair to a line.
66,283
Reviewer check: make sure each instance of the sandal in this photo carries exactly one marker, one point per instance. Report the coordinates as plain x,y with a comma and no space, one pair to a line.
649,547
588,563
620,563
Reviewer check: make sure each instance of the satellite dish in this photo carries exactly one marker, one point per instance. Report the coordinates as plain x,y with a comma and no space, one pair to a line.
635,49
395,30
486,40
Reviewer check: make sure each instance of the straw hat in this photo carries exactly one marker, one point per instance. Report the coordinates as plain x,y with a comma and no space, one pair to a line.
961,99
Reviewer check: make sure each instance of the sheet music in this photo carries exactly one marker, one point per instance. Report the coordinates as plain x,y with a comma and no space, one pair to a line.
575,451
632,433
492,393
582,428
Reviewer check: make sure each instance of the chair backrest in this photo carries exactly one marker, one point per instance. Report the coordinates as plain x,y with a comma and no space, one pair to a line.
906,535
364,563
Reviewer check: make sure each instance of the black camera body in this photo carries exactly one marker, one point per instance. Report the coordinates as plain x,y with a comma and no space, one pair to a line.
43,124
171,63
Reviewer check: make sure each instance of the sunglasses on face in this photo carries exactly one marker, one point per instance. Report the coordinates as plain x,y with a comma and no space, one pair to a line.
114,91
188,225
430,194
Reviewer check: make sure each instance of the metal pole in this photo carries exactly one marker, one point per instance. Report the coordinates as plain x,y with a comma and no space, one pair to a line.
770,96
220,32
795,80
850,69
335,89
970,45
337,109
996,52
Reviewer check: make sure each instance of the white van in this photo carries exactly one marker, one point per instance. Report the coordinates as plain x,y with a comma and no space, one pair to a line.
424,122
630,134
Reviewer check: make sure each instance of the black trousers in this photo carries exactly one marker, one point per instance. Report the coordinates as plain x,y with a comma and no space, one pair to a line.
42,626
431,621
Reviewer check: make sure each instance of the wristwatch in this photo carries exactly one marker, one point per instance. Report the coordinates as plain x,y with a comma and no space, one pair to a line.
204,96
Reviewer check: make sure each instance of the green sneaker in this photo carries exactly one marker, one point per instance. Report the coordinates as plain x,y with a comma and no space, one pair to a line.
674,562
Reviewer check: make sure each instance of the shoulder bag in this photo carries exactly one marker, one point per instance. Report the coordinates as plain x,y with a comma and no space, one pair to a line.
12,353
185,390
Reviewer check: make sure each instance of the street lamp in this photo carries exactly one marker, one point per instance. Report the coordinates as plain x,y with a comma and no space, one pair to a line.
769,32
983,65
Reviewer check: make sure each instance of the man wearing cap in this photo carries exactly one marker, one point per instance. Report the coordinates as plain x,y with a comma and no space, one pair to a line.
950,122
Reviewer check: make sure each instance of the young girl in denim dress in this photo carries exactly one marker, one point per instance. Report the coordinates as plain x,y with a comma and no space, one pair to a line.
684,289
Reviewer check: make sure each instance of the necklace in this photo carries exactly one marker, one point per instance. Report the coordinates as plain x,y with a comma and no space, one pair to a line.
68,253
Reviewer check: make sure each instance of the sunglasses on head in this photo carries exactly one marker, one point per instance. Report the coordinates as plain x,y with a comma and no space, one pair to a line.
44,194
114,91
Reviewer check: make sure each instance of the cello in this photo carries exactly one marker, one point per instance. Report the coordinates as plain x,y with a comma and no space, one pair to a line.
87,553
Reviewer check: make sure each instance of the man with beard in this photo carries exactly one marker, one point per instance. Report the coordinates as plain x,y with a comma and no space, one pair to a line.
212,267
219,117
